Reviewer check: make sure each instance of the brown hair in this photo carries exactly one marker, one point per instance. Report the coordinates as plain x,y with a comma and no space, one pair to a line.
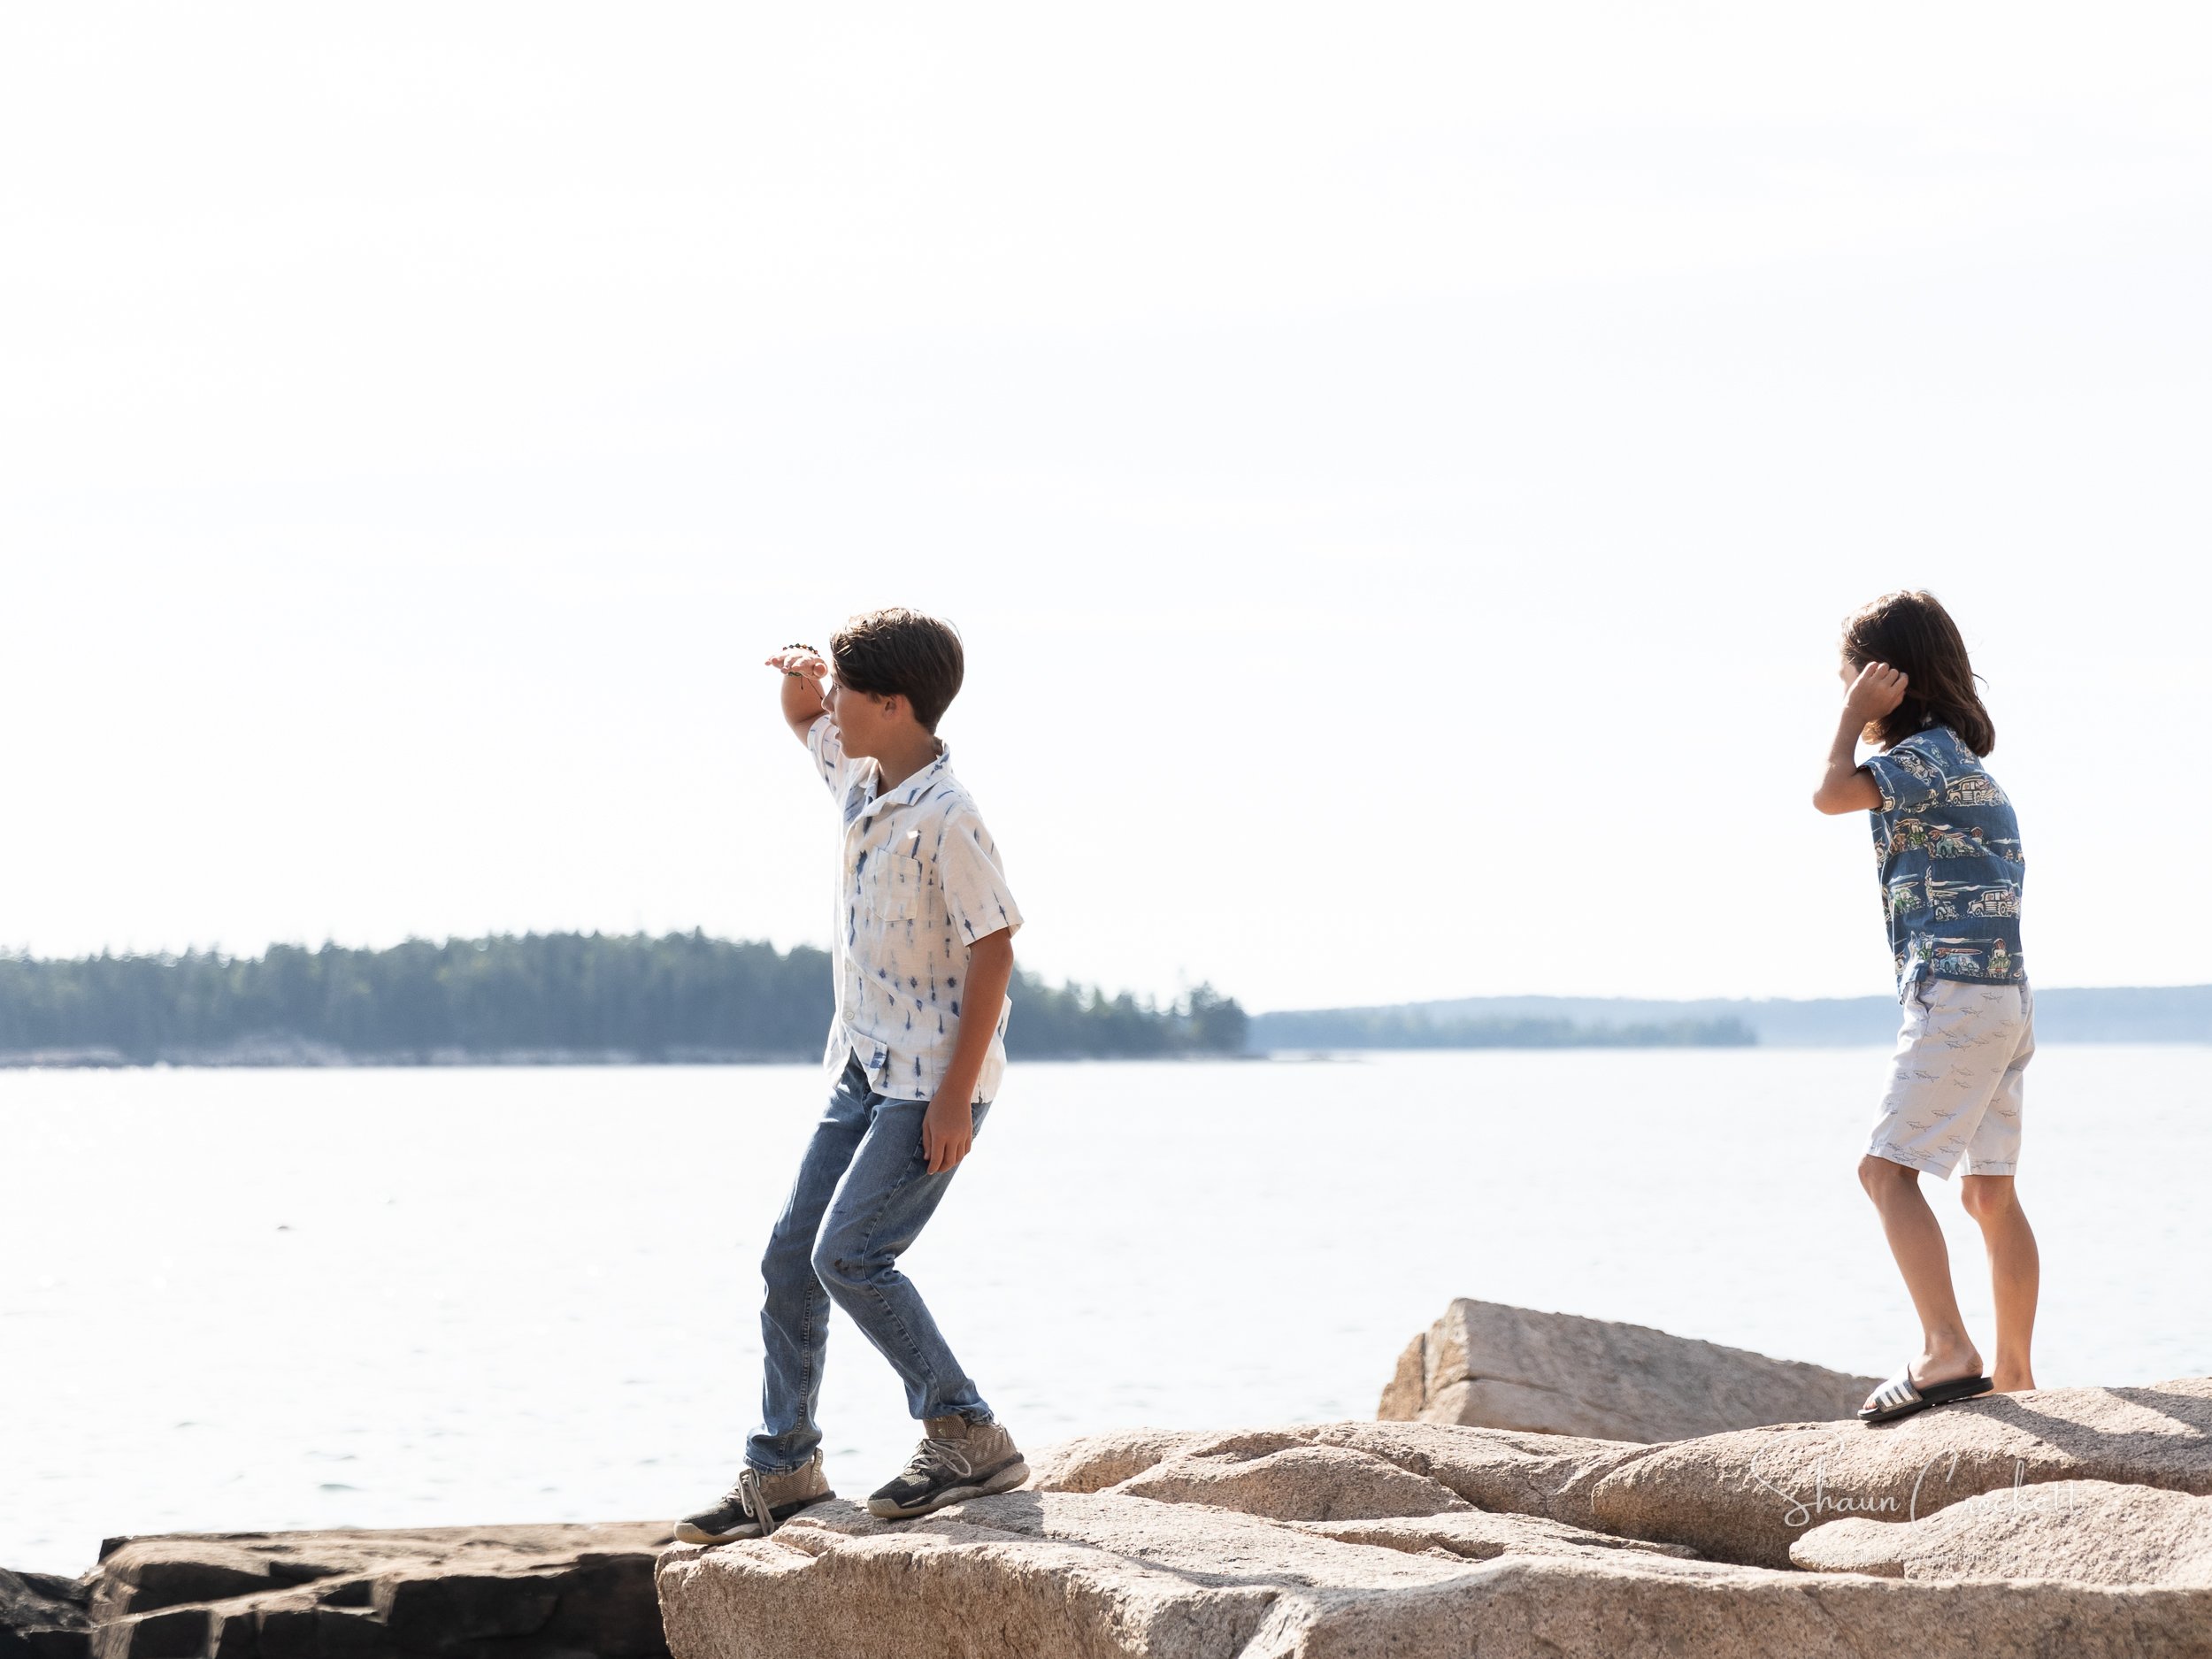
1910,631
900,653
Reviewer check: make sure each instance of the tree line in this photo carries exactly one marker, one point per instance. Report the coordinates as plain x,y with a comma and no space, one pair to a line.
677,997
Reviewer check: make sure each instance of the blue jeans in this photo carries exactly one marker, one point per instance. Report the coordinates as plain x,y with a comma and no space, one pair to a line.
864,1193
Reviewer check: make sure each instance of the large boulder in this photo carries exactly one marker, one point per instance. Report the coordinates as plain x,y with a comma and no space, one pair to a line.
1106,1574
1485,1365
42,1616
466,1593
2084,1532
1748,1496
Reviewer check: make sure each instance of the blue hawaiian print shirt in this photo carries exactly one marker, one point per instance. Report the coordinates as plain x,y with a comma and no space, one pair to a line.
1949,849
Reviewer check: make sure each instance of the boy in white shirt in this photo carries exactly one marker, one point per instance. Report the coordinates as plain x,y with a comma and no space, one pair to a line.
923,953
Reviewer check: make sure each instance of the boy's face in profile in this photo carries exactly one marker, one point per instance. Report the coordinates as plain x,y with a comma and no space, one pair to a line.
866,722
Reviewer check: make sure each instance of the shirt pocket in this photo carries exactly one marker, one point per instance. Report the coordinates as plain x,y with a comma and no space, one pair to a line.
891,886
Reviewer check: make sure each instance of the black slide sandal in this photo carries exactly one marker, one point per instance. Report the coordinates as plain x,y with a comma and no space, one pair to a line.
1901,1396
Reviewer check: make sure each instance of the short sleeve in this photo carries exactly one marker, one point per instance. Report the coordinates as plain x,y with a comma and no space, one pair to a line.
1909,776
977,897
829,754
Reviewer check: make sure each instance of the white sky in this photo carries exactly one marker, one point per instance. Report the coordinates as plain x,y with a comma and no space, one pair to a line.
1399,470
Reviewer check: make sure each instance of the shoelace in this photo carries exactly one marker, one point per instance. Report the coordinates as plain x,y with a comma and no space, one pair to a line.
947,1454
749,1494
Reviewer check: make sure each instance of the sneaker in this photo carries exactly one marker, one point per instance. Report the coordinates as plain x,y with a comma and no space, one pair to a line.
757,1504
958,1460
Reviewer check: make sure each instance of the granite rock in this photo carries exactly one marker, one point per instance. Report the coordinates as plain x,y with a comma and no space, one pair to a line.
1485,1365
1091,1462
2083,1532
1296,1483
469,1592
1745,1496
1107,1575
1478,1535
1499,1469
42,1616
1748,1496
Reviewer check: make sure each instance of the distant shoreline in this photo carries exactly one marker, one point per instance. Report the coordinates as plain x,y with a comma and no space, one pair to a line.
272,1050
594,1000
108,1060
2179,1013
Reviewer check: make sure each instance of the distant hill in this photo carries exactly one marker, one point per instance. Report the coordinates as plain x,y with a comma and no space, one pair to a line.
536,998
1424,1026
2139,1014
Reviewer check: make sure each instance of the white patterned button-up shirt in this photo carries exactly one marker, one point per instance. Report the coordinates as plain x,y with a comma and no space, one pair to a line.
919,883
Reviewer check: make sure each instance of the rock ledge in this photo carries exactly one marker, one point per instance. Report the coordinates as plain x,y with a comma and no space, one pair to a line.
1335,1541
460,1592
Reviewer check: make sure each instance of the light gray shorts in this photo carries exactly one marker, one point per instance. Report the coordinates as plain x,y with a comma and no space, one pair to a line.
1955,1088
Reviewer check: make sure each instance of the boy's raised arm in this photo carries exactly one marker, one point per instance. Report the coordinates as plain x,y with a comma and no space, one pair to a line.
1845,786
801,669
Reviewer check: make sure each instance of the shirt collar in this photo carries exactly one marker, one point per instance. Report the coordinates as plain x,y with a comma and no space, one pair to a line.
915,787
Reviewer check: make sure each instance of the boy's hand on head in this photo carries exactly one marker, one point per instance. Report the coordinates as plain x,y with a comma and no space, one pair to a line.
1878,689
948,1131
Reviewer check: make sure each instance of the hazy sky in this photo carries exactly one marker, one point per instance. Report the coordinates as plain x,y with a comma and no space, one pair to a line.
1399,470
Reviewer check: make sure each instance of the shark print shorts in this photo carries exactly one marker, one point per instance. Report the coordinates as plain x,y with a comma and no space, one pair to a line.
1956,1088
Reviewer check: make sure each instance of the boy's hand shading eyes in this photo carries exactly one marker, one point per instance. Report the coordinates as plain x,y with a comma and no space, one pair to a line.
800,688
796,659
1877,689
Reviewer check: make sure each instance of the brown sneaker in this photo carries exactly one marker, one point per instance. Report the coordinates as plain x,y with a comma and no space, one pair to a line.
958,1460
757,1504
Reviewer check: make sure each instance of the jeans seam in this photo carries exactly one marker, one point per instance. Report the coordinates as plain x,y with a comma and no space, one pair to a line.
811,1291
806,1362
891,1314
808,1319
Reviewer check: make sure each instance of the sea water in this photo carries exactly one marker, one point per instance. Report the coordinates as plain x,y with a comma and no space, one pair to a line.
235,1300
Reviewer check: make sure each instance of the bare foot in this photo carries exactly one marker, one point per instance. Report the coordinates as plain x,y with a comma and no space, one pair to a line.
2010,1382
1935,1365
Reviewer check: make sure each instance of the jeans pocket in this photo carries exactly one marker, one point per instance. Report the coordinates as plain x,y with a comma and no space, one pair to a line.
977,1112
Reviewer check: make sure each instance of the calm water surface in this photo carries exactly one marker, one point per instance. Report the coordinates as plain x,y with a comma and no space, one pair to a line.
234,1299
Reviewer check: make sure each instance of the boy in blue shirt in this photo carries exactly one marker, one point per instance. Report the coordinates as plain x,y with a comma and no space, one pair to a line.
1948,850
